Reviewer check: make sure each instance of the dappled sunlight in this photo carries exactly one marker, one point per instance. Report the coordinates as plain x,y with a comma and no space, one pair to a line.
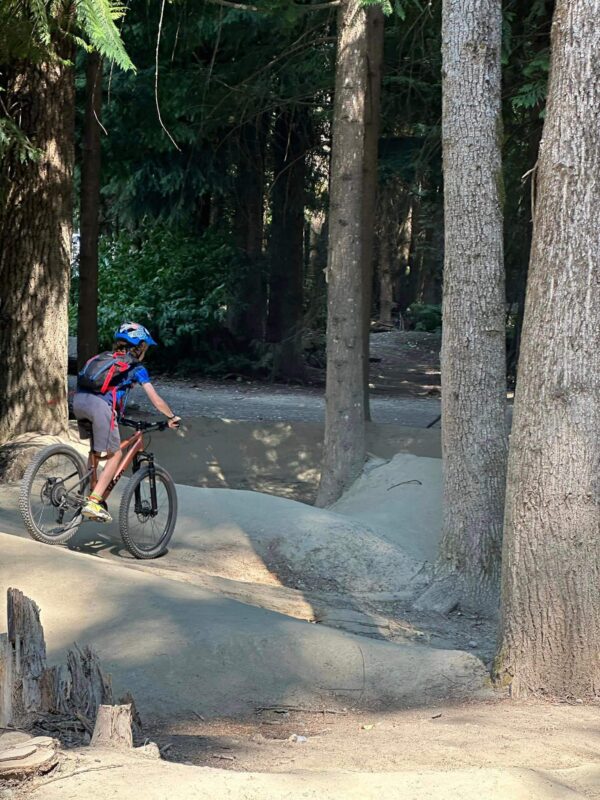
264,551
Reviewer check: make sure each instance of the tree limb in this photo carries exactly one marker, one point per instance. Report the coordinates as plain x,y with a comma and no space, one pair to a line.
238,6
299,6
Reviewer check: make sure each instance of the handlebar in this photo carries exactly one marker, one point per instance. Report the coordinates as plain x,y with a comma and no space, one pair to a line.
140,425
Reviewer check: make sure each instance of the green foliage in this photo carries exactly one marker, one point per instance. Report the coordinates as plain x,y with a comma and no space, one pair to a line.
424,317
165,279
11,136
179,286
532,93
219,68
97,20
386,5
31,31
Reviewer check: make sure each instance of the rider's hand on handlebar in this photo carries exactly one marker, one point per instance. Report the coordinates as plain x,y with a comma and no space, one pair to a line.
174,422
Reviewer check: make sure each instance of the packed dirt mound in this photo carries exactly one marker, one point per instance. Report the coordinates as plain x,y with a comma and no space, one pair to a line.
257,538
302,547
181,649
401,499
120,775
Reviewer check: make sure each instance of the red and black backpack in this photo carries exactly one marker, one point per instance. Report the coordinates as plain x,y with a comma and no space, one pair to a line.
103,373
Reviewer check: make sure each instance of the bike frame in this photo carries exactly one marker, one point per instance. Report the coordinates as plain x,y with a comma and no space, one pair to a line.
135,455
133,448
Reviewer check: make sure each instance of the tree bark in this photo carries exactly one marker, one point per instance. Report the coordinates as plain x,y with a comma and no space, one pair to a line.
473,351
344,446
286,246
91,165
35,250
375,26
24,660
550,626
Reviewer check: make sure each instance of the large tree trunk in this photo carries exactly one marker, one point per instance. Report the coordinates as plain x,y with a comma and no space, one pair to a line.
91,163
35,250
286,246
550,631
344,447
372,113
473,350
247,315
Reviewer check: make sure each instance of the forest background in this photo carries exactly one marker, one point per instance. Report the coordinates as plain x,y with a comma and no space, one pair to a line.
207,176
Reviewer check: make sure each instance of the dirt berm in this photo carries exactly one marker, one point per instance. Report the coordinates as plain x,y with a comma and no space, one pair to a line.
181,649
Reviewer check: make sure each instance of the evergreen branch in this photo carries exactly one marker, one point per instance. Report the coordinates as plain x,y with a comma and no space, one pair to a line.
298,46
37,9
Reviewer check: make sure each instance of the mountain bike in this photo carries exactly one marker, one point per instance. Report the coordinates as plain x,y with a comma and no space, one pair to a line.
57,481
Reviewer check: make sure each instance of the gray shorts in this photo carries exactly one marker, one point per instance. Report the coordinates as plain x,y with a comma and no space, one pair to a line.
100,413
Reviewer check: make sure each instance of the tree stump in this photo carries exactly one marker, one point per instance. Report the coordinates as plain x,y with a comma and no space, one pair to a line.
113,727
23,661
26,756
58,698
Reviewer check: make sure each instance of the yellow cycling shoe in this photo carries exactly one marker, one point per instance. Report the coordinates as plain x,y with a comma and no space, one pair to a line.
95,511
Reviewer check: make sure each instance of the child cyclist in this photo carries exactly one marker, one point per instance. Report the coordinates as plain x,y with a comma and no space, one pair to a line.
101,396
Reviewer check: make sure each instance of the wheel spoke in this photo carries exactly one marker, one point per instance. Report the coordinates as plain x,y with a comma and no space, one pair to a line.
47,489
146,532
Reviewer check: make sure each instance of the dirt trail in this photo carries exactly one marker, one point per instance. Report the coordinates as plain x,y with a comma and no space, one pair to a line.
316,770
218,641
404,376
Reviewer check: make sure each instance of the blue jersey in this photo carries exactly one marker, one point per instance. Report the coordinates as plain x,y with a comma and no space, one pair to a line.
135,375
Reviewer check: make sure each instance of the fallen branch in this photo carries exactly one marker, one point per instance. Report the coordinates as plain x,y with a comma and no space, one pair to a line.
299,710
76,772
403,483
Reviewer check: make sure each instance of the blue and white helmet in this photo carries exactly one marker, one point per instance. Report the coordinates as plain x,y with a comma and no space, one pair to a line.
133,333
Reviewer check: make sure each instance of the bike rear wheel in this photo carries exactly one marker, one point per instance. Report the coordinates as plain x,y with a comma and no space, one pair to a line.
51,494
145,533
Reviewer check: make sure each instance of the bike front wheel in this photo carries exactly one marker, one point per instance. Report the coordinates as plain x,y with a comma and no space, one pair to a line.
146,526
52,493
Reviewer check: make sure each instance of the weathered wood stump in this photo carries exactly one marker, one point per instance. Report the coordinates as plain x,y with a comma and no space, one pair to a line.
56,699
113,727
23,661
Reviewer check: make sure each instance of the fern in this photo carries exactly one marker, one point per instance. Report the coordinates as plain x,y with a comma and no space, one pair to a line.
97,20
27,28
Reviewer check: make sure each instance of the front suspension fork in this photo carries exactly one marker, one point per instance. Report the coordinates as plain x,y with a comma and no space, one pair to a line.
147,457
